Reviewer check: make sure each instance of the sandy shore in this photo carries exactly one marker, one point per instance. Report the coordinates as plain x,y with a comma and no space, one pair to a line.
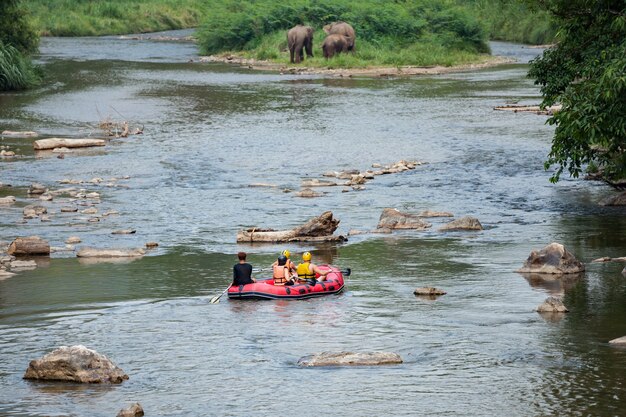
352,72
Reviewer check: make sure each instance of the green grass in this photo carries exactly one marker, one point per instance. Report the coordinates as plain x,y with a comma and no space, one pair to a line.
16,71
383,52
111,17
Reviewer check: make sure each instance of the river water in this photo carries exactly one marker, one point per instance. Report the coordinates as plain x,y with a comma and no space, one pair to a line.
210,131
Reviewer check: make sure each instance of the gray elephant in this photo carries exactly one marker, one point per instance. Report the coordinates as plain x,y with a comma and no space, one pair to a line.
342,28
335,44
299,38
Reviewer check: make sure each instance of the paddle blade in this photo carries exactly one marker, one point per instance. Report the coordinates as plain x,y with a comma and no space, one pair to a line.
347,272
215,299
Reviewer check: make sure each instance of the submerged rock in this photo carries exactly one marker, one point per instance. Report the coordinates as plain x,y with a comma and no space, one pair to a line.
615,200
428,291
308,193
134,410
552,305
391,218
464,223
350,359
76,364
124,232
72,240
110,253
430,213
552,259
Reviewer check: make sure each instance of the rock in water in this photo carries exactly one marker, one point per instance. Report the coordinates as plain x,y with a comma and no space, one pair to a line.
552,259
615,200
31,245
619,341
464,223
552,305
350,359
110,253
428,291
76,364
391,218
134,410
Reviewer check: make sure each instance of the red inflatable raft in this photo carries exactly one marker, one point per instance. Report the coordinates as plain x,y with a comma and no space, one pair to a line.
267,289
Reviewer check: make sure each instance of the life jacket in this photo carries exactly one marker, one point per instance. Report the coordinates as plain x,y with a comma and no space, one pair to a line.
280,276
304,271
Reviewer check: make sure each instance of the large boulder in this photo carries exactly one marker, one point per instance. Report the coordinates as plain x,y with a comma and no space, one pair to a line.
31,245
75,364
552,259
391,218
464,223
350,359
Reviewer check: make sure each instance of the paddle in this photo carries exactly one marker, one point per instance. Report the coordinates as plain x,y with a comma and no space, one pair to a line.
216,299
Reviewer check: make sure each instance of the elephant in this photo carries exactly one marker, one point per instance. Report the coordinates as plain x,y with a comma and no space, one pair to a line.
335,44
342,28
298,38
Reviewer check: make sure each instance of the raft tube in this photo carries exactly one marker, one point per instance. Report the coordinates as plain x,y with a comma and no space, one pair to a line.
266,288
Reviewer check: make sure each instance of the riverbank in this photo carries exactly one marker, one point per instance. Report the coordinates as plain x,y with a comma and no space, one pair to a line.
371,71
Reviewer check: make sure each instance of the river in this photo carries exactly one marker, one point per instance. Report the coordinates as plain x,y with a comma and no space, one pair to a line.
212,130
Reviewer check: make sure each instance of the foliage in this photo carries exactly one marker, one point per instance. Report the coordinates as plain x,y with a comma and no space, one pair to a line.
515,21
107,17
15,28
16,71
586,73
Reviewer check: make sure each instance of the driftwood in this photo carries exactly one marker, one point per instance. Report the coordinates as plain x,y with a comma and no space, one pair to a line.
52,143
32,245
13,134
515,108
318,229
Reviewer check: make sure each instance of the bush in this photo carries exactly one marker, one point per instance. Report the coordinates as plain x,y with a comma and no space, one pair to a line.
16,72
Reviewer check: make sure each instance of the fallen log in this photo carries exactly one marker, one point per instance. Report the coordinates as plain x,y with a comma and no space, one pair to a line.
32,245
52,143
318,229
109,253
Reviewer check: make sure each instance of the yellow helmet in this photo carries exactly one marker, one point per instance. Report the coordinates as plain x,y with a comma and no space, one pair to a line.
286,253
306,256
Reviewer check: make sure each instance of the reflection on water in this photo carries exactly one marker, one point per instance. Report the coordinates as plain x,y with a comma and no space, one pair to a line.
210,132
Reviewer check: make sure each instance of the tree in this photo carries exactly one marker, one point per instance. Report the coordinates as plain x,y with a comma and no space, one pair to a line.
586,73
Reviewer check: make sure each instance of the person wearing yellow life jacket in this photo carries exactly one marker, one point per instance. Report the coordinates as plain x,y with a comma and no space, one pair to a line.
281,273
288,264
308,270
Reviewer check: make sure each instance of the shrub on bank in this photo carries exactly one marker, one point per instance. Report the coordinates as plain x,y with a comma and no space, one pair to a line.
16,71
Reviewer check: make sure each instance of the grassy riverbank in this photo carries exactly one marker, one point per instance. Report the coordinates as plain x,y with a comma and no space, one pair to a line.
113,17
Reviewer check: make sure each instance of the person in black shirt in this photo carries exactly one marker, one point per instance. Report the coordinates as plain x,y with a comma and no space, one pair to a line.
242,272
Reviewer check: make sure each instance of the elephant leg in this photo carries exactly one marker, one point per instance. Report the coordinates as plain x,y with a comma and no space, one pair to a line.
291,53
309,48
